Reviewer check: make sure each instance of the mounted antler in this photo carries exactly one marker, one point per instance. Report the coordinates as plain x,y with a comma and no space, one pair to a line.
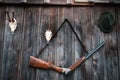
12,22
49,32
48,35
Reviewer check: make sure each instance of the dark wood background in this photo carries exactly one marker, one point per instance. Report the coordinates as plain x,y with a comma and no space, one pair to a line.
65,49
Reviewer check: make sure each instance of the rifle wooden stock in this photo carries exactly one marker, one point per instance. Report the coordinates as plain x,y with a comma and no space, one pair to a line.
38,63
76,64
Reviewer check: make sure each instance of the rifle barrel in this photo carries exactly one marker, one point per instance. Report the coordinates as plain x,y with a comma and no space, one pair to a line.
84,58
95,50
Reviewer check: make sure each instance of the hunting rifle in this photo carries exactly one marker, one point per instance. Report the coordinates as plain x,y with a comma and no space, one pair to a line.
38,63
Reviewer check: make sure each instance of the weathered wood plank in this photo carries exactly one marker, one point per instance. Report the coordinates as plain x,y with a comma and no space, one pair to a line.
118,36
85,33
98,36
31,35
60,43
50,52
45,23
110,55
111,51
12,48
104,70
101,1
35,1
52,47
68,39
57,1
78,49
65,49
77,46
11,1
2,29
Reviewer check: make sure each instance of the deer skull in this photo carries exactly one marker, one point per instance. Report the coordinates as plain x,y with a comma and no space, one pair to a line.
13,25
48,35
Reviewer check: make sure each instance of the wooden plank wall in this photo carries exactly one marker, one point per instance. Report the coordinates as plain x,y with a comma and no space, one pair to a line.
60,2
65,49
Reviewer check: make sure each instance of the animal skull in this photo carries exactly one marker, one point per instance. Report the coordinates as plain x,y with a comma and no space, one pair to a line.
13,25
48,35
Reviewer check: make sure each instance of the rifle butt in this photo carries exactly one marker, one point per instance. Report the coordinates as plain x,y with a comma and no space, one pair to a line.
39,63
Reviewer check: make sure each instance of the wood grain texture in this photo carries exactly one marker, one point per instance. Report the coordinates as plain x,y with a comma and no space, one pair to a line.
12,48
2,29
81,20
97,37
45,23
11,1
35,1
60,61
86,37
101,1
64,49
58,1
111,51
31,37
61,2
118,36
110,39
78,49
52,47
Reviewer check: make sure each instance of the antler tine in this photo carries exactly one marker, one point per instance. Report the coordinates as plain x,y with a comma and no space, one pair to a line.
9,19
13,15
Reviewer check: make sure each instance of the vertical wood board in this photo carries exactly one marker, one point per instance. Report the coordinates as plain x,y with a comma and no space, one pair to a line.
118,36
35,1
64,49
68,40
11,1
31,38
12,48
2,29
57,1
111,58
60,61
97,37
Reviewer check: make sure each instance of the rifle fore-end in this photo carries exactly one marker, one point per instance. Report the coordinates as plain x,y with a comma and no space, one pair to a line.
38,63
76,64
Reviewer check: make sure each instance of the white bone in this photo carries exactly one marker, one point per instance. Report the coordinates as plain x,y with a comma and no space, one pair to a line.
13,25
66,70
48,35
